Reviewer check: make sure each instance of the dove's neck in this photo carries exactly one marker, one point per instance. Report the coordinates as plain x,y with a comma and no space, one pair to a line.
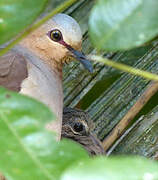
44,83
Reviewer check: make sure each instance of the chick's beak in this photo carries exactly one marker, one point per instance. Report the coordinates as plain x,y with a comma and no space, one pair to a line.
91,144
95,146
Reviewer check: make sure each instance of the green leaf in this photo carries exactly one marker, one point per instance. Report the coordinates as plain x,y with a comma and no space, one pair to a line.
16,15
28,150
113,168
123,24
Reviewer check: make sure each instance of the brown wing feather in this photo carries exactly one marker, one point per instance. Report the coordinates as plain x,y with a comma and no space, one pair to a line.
13,70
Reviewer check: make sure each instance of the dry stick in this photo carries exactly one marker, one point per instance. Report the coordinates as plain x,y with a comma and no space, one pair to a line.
111,149
122,125
155,156
2,177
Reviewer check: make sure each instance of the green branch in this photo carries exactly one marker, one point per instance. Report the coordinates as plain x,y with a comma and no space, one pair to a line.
125,68
59,9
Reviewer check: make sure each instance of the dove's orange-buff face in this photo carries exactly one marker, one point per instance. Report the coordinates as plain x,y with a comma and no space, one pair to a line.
57,41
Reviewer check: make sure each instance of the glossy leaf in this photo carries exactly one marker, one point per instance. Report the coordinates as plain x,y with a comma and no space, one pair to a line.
16,15
27,149
123,24
113,168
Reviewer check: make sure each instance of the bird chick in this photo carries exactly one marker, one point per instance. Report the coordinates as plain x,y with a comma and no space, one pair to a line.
77,126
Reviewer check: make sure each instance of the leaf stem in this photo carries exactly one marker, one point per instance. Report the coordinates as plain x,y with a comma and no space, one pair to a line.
60,8
125,68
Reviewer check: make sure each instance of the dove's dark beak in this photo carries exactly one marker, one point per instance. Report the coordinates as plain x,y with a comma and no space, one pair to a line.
79,56
82,59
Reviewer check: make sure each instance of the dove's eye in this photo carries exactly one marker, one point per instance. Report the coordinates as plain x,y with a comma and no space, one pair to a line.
55,35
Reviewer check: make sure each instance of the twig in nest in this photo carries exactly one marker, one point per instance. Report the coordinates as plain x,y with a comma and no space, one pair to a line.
111,149
126,120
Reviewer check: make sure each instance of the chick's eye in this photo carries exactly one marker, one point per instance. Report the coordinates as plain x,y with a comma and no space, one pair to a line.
55,35
78,127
